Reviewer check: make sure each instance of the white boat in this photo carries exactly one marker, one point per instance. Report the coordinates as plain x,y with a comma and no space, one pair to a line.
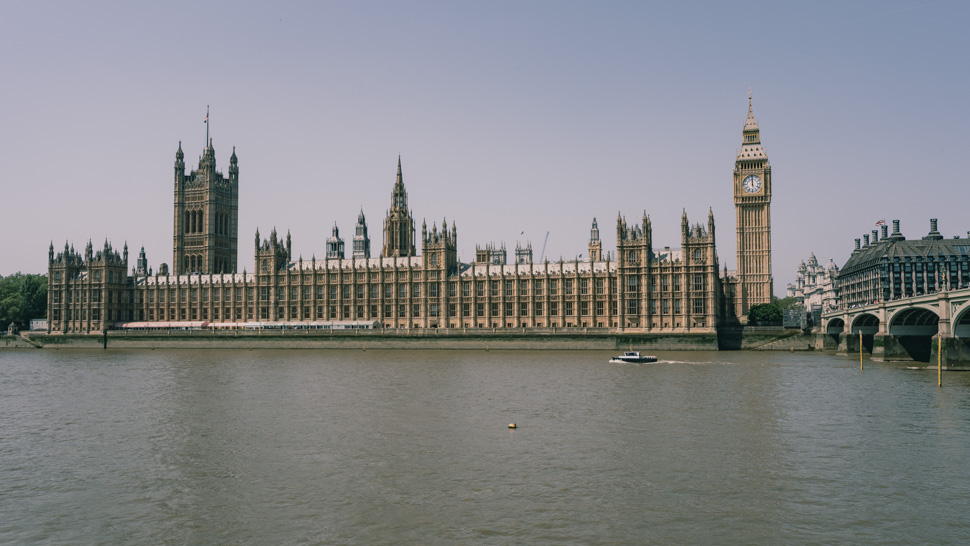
632,357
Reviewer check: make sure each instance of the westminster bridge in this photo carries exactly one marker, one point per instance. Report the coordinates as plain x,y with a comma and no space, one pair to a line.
904,329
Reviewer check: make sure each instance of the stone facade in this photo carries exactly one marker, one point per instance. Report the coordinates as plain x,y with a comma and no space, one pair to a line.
642,290
814,285
206,216
893,267
418,282
752,205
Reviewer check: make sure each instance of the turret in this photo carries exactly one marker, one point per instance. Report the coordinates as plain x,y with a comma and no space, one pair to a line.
179,162
233,166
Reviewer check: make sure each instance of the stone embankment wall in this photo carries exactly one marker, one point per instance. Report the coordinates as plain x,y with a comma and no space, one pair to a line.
398,339
14,342
576,339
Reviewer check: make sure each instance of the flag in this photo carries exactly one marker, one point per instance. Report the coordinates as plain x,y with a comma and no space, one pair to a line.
879,223
206,118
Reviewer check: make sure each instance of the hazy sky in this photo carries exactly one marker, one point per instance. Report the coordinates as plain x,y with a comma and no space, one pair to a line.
510,117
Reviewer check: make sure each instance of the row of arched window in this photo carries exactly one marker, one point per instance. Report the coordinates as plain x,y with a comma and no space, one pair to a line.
195,263
195,222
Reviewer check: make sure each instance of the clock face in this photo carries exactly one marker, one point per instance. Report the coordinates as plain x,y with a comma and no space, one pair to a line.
751,183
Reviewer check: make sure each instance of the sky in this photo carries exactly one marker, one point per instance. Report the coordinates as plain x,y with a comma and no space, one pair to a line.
513,119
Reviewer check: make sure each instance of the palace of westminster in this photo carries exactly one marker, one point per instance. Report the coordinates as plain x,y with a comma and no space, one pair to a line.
417,280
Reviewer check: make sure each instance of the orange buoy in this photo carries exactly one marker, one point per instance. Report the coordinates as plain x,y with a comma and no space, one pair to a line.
512,425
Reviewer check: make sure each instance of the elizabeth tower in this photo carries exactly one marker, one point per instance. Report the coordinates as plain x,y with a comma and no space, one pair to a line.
752,205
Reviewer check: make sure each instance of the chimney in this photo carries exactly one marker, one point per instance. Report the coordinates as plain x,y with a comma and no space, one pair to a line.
896,235
875,236
932,224
933,234
866,238
857,244
885,231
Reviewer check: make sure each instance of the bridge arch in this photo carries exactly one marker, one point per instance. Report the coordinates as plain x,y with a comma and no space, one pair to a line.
866,324
915,321
961,321
835,326
913,329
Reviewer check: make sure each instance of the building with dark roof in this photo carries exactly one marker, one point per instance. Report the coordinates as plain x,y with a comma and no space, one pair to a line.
891,266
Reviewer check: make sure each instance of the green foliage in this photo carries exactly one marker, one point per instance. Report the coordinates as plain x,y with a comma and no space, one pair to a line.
22,297
787,303
765,314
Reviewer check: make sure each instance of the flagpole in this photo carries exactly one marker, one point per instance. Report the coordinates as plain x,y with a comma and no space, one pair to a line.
206,127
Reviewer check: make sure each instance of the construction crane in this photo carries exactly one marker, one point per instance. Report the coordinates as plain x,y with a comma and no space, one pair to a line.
542,257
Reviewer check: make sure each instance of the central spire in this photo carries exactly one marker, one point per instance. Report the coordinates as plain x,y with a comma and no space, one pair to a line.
751,136
750,124
399,225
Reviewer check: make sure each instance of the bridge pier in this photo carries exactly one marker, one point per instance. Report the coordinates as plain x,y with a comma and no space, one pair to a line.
878,347
824,341
842,348
956,353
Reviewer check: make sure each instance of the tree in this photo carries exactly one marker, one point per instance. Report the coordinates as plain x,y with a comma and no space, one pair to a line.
787,303
765,314
22,297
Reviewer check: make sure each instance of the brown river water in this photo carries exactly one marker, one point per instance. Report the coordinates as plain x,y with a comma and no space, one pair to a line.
413,447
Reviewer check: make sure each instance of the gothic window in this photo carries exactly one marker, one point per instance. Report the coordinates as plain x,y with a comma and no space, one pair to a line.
633,285
698,285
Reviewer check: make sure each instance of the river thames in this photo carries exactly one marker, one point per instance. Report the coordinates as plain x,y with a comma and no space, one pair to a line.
413,447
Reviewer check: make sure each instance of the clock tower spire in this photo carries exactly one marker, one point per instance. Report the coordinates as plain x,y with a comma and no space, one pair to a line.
752,206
